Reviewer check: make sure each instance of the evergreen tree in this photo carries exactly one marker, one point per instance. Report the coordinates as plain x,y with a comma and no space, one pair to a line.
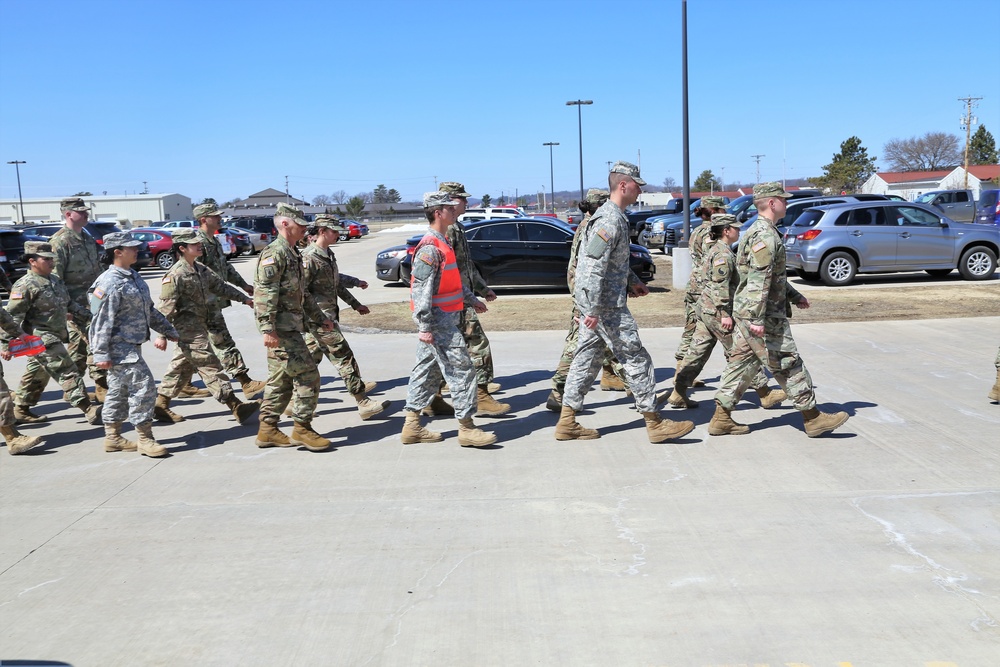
849,168
982,147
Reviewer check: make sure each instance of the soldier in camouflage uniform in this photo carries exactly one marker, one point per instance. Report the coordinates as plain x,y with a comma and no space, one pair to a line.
600,295
77,265
325,284
719,279
209,218
41,304
282,309
17,443
123,313
761,307
437,297
185,301
995,392
612,373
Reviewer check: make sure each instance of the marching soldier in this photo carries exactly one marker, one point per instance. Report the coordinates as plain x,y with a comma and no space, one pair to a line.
16,442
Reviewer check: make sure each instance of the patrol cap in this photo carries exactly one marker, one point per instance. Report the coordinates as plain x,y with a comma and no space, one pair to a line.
712,202
454,189
629,170
772,189
724,220
597,196
292,213
121,240
39,249
186,235
439,198
329,221
206,210
73,204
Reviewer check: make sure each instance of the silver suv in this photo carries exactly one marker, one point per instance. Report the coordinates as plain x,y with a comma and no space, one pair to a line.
838,241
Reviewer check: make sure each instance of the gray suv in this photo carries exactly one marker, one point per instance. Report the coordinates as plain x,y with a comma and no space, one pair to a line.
838,241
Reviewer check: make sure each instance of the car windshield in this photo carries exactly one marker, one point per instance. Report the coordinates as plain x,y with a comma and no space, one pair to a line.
809,218
923,199
740,205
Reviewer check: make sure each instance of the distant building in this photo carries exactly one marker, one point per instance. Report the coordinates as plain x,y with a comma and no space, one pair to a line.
264,204
911,184
124,210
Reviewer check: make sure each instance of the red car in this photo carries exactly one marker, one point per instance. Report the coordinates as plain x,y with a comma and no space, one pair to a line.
159,242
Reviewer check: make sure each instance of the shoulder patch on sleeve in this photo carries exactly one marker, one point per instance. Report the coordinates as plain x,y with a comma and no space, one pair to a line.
719,261
98,293
759,245
267,261
16,295
426,259
166,279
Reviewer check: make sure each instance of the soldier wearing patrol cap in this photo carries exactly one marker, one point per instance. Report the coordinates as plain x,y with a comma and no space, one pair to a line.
282,309
600,294
77,264
123,314
325,283
209,218
40,303
761,307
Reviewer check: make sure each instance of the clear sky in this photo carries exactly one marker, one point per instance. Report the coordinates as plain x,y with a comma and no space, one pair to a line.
224,98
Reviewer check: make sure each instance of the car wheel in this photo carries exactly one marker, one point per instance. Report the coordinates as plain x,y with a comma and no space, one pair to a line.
978,263
938,273
164,260
838,269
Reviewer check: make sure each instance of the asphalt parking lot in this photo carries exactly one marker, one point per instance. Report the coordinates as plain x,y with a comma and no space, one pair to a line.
876,546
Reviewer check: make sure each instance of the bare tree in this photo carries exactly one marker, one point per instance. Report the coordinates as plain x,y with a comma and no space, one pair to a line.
934,150
321,200
366,197
339,197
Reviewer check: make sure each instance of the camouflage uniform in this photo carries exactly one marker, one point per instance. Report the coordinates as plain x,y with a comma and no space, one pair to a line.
123,313
77,264
601,291
763,297
447,357
218,332
468,322
40,306
11,330
325,283
186,297
281,306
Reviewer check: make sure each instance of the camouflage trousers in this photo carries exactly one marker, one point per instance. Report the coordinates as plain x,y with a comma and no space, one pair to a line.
998,360
568,352
79,351
478,345
335,347
775,349
448,358
708,331
690,324
131,394
194,354
618,331
56,363
224,345
292,378
6,404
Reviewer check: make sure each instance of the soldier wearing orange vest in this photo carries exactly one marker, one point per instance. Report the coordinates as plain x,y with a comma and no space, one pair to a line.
437,298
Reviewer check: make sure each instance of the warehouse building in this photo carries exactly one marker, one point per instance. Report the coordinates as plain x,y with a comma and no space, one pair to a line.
127,210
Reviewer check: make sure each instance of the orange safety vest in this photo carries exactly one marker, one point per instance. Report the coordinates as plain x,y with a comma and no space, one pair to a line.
449,297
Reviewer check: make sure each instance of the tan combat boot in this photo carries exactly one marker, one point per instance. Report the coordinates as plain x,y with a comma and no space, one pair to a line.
554,401
163,413
304,435
817,423
493,387
470,436
661,430
24,415
370,387
995,392
92,411
242,411
191,391
770,398
368,408
610,381
487,406
438,407
113,440
251,388
722,423
567,427
679,399
414,432
16,442
268,435
147,445
100,391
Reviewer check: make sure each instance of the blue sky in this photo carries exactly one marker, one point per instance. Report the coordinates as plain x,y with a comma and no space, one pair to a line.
224,98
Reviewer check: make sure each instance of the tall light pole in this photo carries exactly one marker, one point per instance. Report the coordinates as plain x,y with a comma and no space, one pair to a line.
579,122
17,167
552,193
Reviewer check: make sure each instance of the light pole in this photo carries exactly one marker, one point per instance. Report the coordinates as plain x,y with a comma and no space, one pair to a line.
17,167
552,194
579,123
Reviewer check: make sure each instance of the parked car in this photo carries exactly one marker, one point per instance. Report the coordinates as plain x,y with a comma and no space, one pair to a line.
176,224
638,224
353,230
240,240
12,240
795,207
96,229
835,242
362,227
988,208
959,205
159,242
489,213
387,263
525,252
260,230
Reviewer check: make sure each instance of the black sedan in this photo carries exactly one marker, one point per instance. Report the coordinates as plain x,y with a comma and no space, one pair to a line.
526,252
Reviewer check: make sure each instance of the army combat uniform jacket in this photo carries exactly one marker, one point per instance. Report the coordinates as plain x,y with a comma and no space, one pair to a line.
428,265
186,296
123,314
697,245
40,306
325,283
763,290
281,303
213,257
603,263
77,264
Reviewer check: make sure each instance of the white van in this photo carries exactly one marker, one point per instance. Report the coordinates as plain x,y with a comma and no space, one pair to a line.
473,214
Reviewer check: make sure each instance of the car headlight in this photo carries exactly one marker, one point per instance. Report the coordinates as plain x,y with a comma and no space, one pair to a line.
390,254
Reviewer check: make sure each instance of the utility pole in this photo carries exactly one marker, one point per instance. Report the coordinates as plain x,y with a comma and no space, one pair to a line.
722,179
17,167
552,194
757,158
579,121
145,188
967,122
286,189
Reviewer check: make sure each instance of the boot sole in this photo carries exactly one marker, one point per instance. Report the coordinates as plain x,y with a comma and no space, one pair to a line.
120,449
687,429
739,431
476,444
495,413
829,428
587,436
151,455
264,444
418,441
312,448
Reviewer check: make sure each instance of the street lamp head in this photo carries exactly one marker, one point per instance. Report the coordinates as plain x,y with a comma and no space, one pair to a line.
578,102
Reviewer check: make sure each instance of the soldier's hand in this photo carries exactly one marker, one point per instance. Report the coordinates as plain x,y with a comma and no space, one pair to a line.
160,343
803,304
726,323
6,355
329,325
491,296
756,329
249,290
106,365
248,302
363,284
270,339
426,337
590,322
479,306
638,289
363,310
